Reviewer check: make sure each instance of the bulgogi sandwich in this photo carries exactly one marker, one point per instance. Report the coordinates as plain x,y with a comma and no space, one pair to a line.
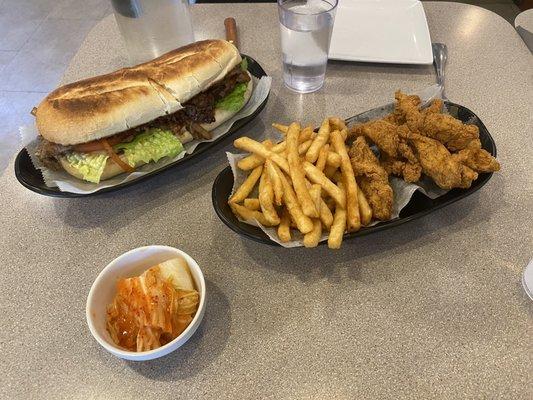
100,127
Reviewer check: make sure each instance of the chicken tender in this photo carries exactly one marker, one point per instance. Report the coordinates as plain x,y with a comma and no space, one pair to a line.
407,112
382,133
372,179
449,131
476,158
410,172
439,164
434,108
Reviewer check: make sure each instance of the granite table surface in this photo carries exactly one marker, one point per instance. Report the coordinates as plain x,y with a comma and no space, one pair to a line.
430,309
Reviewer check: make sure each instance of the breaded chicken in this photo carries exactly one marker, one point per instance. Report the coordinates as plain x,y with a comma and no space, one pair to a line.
476,158
439,164
372,179
407,112
382,133
449,131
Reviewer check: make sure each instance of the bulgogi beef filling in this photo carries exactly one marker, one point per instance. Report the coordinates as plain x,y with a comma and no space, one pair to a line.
48,152
200,109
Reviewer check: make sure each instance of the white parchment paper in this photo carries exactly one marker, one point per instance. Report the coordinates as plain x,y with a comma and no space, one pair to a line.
402,190
68,183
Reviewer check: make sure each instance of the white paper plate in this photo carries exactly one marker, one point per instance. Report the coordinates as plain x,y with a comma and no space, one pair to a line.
383,31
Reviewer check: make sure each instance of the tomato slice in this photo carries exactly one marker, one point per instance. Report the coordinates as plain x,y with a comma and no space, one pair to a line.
97,145
115,157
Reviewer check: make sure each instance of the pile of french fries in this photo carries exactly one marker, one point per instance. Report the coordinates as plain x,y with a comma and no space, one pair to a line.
305,182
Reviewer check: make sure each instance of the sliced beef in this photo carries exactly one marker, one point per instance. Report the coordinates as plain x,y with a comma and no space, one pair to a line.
201,108
48,152
226,86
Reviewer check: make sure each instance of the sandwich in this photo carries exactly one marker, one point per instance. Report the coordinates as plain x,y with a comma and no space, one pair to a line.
97,128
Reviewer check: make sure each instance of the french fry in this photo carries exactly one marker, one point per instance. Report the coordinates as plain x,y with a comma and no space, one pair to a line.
250,162
316,176
253,146
253,160
337,228
350,185
312,238
282,128
303,222
266,199
284,228
280,147
364,208
274,174
306,134
326,215
322,158
333,159
297,174
337,123
320,140
247,186
252,204
249,215
344,134
315,191
303,147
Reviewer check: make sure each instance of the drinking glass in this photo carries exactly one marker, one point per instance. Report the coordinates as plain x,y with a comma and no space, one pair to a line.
306,27
153,27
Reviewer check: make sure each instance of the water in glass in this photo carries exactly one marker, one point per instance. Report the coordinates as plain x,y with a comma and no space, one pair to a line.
305,36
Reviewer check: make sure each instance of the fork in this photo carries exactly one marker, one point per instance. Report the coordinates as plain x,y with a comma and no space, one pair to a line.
440,56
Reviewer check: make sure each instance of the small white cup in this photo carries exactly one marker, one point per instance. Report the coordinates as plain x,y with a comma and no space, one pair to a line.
134,263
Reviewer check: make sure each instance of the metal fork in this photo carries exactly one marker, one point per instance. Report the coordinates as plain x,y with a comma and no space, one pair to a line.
440,56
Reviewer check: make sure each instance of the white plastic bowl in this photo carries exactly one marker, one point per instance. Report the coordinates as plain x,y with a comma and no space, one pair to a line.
134,263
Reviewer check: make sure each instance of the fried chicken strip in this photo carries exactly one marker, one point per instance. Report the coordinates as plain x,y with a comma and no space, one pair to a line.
432,123
449,131
406,111
406,165
434,108
476,158
382,133
409,171
372,179
439,164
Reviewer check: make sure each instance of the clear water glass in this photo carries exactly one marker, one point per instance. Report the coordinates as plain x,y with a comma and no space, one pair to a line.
306,27
151,28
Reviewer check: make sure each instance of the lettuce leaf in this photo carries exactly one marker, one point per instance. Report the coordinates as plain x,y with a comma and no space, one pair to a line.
233,101
151,145
89,165
244,64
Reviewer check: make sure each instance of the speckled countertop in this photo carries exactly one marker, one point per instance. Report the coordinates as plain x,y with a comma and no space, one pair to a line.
431,309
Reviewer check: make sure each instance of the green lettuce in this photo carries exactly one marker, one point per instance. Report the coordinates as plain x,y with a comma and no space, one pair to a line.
89,165
244,64
233,101
151,145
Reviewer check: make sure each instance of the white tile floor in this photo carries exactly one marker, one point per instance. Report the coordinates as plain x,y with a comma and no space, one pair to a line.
37,40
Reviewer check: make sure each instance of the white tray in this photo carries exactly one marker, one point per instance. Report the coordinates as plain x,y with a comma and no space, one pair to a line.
383,31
